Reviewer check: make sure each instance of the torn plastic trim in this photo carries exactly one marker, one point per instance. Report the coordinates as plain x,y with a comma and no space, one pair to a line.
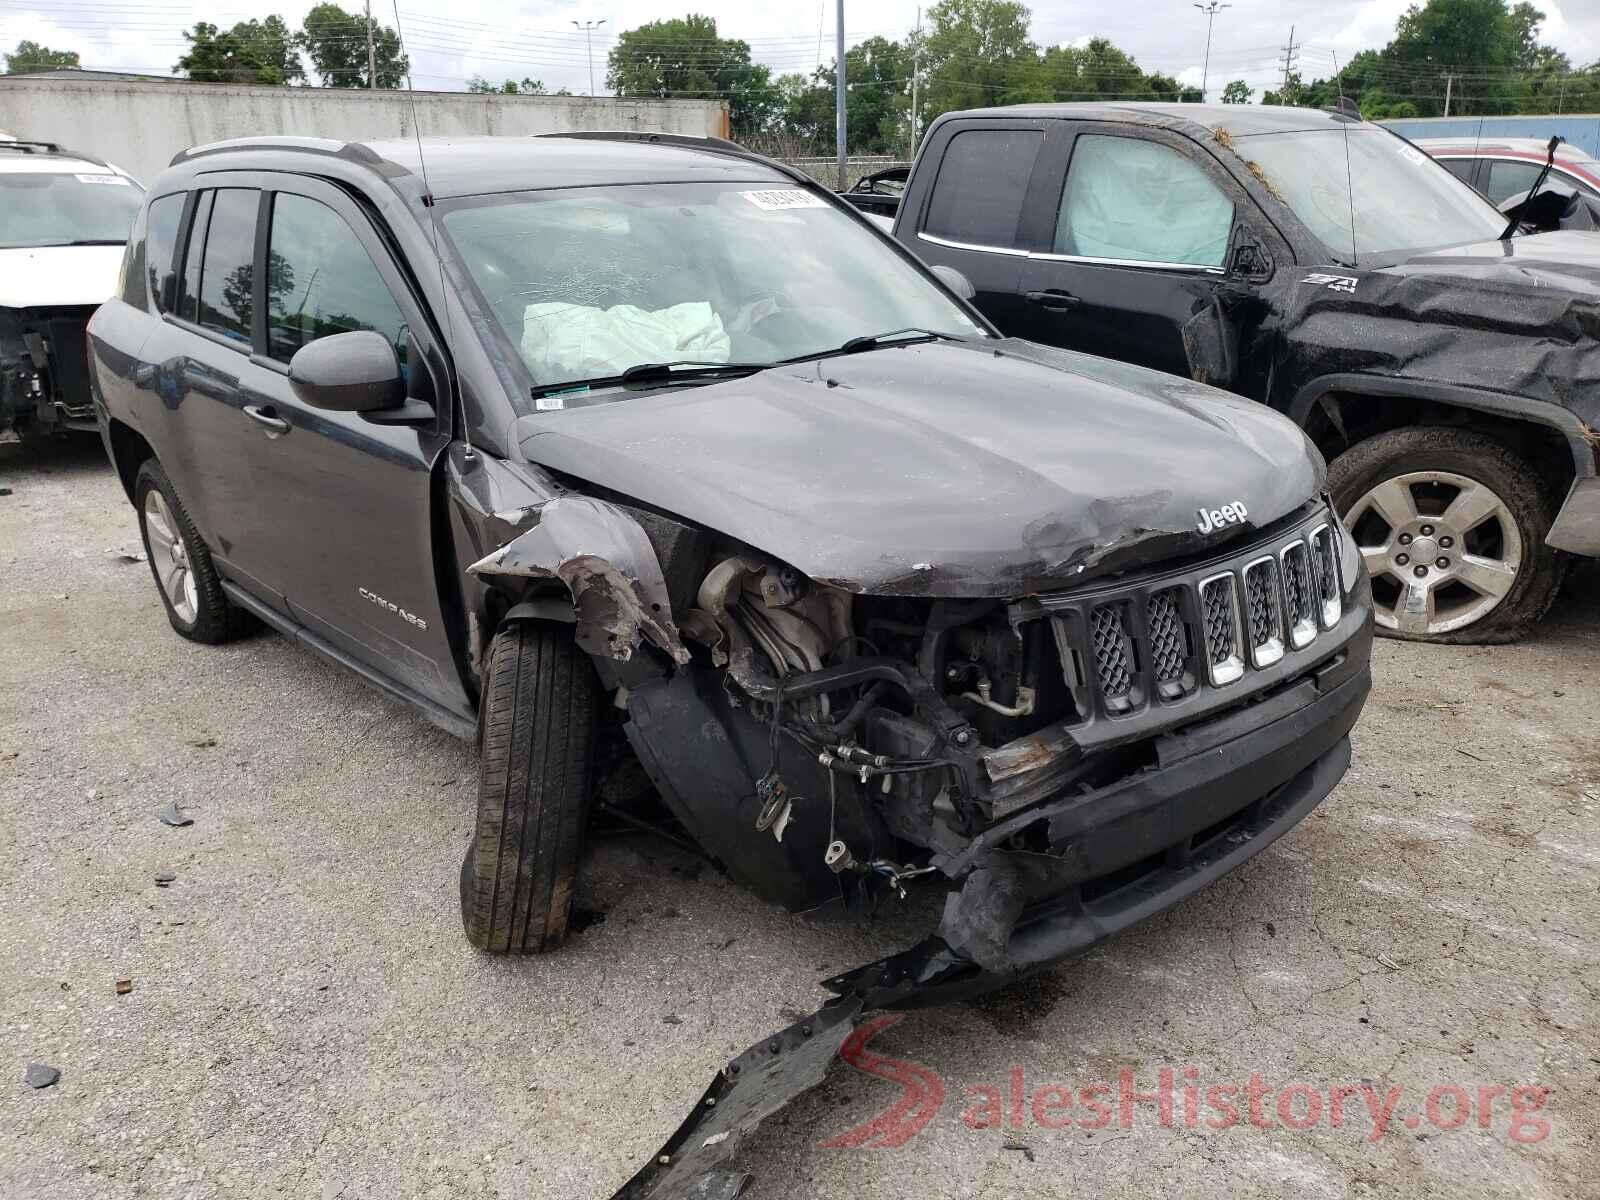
607,563
749,1089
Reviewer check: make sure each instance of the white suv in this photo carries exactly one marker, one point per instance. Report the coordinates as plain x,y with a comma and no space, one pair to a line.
64,222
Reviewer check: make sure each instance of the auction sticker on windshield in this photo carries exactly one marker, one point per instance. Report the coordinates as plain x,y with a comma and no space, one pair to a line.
778,199
112,179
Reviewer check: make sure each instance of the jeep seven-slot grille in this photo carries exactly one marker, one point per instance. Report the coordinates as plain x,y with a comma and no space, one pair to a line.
1113,653
1156,644
1169,647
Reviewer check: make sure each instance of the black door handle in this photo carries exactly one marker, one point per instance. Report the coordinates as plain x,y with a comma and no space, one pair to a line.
1054,298
267,417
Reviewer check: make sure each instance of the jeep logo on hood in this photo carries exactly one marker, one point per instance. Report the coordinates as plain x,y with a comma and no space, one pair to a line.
1212,519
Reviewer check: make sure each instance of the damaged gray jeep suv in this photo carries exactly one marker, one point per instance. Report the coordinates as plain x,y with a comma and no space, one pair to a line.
583,443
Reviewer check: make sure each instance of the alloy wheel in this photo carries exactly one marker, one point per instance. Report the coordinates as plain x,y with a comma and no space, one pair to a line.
170,557
1443,550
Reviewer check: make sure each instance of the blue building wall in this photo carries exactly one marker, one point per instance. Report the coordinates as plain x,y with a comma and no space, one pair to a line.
1580,129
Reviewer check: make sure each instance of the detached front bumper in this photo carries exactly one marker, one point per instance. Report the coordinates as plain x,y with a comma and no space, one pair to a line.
1232,788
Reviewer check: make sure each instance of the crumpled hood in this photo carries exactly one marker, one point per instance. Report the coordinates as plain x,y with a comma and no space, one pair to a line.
1568,260
943,469
44,276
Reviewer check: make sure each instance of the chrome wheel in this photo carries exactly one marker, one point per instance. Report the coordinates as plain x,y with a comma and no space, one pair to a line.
1442,549
170,558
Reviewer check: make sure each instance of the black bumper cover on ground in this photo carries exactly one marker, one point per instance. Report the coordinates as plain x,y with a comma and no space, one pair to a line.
1224,792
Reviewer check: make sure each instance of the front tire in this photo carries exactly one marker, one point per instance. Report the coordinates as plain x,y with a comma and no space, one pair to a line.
537,734
186,578
1451,525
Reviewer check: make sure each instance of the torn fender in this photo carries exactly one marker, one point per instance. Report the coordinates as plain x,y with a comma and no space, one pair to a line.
607,564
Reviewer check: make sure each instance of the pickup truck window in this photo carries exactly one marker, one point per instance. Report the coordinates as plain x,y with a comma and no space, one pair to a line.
226,294
1140,201
161,241
588,282
1401,201
320,280
978,193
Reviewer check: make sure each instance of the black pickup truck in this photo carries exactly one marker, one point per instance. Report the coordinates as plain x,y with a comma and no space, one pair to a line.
1447,366
880,599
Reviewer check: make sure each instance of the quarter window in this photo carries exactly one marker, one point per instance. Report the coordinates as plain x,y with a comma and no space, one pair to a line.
161,240
320,281
1143,202
1461,168
227,295
978,194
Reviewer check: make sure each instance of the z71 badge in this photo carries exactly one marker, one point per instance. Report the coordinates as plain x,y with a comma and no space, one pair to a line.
1334,283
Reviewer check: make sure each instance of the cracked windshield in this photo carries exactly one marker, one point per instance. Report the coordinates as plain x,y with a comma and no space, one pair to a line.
589,282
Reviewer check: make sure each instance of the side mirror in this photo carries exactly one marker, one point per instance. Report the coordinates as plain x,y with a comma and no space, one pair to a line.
955,281
348,372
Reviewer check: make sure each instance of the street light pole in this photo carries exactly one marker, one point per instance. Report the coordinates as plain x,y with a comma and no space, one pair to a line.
372,58
588,48
839,85
1210,11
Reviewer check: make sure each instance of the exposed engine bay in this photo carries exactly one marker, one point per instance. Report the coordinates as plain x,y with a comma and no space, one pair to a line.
44,376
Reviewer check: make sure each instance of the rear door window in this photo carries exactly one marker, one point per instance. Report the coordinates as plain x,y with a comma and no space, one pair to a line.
320,281
1140,201
1509,176
1461,168
227,296
982,181
160,246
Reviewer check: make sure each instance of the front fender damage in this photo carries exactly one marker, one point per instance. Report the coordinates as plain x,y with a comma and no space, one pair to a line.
609,568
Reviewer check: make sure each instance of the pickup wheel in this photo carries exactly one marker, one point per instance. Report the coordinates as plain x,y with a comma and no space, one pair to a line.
535,739
185,576
1451,525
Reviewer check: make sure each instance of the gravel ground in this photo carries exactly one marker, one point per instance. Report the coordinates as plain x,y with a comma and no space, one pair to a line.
306,1020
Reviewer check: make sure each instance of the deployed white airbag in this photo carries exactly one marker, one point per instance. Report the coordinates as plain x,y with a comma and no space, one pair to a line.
575,341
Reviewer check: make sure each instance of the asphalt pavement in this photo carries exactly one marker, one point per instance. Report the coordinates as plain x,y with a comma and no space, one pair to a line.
299,1015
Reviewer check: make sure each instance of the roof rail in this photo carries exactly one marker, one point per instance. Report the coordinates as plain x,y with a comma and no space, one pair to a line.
354,151
693,141
28,146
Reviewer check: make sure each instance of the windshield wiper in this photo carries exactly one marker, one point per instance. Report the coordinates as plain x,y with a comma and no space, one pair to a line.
872,341
669,372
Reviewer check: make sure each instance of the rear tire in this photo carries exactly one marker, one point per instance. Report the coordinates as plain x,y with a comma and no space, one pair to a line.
1466,501
186,578
536,739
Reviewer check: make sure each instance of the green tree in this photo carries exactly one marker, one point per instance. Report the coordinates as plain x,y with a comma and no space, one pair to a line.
877,100
1237,92
511,87
336,42
251,52
684,57
978,53
31,56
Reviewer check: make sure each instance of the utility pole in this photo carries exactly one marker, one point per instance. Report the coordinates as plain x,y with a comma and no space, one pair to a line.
916,71
372,57
1210,11
839,84
1449,79
588,48
1289,52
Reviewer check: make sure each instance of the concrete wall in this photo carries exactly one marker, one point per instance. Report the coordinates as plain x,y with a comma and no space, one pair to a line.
1581,129
140,126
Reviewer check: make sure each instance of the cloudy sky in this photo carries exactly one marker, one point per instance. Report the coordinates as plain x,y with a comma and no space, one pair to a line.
450,42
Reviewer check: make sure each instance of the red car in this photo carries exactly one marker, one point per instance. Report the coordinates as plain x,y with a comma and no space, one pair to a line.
1501,168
